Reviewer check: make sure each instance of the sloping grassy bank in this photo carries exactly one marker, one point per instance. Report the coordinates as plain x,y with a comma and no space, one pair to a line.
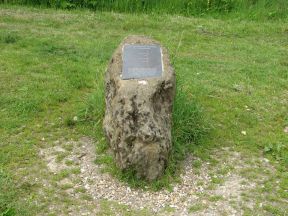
251,9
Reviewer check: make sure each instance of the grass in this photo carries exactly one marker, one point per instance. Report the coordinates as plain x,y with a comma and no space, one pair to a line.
256,9
231,74
197,207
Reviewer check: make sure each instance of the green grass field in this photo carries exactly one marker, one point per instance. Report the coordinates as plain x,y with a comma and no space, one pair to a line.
232,77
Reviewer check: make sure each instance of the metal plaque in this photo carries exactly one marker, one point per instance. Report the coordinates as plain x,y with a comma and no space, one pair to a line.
141,61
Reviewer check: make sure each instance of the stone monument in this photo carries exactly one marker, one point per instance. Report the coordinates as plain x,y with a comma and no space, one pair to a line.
140,89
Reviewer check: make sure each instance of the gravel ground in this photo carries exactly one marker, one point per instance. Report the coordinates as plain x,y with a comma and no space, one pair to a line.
195,187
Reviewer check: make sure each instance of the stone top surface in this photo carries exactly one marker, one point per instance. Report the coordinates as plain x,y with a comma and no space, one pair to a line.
141,61
142,85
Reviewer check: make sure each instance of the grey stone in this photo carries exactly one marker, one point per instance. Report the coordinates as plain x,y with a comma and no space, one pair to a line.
138,115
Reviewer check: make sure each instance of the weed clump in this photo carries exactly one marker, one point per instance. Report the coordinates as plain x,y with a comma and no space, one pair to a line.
10,39
70,122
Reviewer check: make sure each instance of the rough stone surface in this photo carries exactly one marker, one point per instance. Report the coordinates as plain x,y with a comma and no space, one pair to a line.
138,115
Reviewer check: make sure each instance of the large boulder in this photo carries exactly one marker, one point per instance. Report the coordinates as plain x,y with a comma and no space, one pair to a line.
138,115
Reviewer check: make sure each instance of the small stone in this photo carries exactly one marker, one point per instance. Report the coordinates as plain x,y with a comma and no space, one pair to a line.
75,118
244,133
128,189
238,87
286,129
143,82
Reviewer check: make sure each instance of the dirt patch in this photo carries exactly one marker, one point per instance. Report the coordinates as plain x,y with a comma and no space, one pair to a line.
218,189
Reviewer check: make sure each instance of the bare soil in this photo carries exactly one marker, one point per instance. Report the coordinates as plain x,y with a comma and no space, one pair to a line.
212,190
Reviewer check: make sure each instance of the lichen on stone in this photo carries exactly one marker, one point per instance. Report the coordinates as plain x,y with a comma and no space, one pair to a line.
138,117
